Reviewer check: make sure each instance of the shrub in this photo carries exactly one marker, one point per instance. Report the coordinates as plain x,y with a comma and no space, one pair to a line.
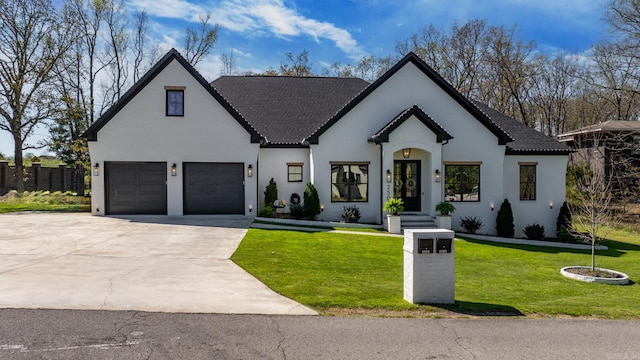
311,201
394,206
445,208
564,221
297,211
534,232
267,211
351,214
471,224
271,193
504,221
566,236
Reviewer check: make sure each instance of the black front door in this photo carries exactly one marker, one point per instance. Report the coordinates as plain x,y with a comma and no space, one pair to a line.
406,184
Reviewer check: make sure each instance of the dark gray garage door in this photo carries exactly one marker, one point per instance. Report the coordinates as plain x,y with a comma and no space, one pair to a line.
213,188
136,188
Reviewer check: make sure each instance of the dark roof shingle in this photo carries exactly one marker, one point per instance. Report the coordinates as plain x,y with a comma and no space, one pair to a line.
285,110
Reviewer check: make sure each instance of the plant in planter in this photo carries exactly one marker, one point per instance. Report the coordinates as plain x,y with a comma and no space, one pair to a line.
444,219
393,206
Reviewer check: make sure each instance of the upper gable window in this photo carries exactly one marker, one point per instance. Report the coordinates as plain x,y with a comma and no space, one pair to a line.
175,101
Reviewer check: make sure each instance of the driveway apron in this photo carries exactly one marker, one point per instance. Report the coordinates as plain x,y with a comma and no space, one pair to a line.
147,263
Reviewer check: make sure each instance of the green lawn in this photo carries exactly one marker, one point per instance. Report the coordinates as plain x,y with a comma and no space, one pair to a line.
44,201
329,270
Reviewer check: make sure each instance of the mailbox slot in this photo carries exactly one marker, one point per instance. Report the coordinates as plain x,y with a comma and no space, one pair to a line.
443,245
425,246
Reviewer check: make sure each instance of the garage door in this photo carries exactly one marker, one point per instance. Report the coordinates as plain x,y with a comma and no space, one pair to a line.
136,188
213,188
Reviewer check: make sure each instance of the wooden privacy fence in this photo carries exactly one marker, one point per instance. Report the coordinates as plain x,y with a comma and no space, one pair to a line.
61,178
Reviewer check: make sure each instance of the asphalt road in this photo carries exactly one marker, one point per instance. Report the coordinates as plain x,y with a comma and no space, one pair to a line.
73,334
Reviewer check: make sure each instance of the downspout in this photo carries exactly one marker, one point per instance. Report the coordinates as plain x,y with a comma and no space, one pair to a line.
442,182
382,184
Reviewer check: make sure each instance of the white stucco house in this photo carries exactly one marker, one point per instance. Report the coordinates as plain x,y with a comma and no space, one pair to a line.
176,144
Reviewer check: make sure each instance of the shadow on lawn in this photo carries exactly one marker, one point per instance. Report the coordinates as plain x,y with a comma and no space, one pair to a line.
616,248
479,309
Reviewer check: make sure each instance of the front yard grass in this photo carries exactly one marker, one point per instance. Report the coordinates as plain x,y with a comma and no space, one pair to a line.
348,273
44,201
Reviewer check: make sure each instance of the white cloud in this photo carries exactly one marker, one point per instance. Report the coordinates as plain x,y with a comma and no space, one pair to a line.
257,17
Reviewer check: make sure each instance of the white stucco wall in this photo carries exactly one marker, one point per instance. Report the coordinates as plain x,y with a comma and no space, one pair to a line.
273,164
550,191
142,132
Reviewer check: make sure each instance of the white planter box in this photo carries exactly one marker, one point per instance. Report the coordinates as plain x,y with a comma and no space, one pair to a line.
393,224
443,221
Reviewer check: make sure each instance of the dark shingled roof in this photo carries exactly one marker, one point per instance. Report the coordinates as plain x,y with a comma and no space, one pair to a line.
525,139
286,110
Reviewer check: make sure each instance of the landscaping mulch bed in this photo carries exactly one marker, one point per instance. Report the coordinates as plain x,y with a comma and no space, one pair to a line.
596,273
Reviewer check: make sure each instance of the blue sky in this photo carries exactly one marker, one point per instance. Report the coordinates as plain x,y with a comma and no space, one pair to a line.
261,32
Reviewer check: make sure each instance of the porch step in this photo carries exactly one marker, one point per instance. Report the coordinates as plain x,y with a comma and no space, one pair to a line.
416,221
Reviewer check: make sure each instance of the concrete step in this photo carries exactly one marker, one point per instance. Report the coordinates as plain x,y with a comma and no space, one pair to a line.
417,221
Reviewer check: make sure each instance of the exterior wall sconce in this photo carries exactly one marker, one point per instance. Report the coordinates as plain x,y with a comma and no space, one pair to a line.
249,171
438,175
551,205
388,176
406,153
321,207
96,169
174,169
491,206
250,207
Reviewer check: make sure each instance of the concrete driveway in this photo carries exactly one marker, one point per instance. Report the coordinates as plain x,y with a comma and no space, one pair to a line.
147,263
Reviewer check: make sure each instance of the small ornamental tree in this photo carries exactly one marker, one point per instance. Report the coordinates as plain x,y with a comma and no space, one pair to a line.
504,221
311,201
270,193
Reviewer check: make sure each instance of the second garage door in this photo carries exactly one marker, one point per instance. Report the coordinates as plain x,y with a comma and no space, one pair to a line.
213,188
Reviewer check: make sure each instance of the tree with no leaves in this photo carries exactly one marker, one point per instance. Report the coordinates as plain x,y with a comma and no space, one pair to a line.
32,41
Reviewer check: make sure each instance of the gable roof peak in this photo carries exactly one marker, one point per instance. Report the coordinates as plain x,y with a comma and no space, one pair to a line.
91,134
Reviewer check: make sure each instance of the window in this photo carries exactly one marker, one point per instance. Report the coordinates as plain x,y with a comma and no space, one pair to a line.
294,172
175,102
528,181
349,182
462,182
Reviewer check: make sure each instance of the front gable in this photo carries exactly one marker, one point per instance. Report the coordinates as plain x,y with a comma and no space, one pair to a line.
173,55
443,85
414,111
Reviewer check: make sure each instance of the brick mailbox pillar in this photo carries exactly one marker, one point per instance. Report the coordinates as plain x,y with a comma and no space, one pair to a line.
429,276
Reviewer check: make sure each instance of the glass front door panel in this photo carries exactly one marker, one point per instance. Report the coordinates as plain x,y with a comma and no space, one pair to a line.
406,183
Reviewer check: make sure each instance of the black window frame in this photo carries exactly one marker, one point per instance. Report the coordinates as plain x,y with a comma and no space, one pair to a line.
532,182
167,102
352,183
457,182
291,166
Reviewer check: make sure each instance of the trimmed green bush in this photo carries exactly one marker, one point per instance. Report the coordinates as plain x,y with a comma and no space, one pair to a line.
504,221
267,211
311,201
534,232
564,221
271,193
445,208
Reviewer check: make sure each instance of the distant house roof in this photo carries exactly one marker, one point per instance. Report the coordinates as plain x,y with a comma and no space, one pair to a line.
525,139
286,110
609,126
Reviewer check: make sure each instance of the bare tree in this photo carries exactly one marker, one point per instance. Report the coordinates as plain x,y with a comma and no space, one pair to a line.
115,54
199,42
140,39
296,65
228,63
32,41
